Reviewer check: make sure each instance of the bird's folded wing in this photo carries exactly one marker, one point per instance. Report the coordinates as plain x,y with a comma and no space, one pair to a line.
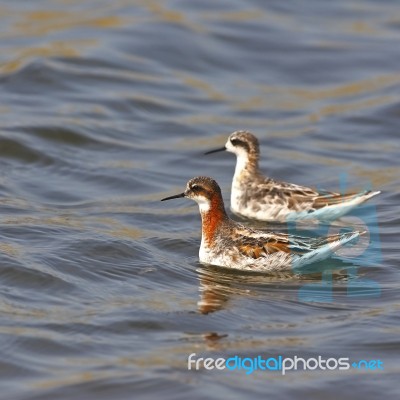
331,199
263,246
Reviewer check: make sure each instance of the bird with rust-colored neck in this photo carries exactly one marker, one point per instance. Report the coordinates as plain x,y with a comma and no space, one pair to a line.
255,196
227,243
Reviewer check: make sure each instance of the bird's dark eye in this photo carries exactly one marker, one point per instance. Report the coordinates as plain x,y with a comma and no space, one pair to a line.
196,188
235,142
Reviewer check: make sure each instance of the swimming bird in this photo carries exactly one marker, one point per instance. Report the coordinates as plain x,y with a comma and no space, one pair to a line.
227,243
256,196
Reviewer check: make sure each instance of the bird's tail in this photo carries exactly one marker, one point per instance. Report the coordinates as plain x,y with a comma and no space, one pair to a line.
330,245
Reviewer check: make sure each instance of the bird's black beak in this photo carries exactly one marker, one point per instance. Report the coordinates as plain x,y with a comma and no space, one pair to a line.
176,196
215,151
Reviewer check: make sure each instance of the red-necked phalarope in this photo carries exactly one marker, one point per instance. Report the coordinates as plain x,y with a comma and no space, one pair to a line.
256,196
229,244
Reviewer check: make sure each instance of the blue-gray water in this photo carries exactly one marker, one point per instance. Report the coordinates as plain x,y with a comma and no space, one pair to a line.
105,108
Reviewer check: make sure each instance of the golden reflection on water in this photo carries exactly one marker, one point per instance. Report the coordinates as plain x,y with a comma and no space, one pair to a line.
42,23
160,11
101,225
234,16
313,117
10,249
339,91
379,176
204,87
63,379
57,220
54,49
297,98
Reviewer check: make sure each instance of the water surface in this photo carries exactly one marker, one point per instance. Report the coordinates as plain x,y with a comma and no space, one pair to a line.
105,108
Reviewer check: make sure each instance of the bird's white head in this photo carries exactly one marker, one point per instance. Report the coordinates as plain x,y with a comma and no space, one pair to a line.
245,145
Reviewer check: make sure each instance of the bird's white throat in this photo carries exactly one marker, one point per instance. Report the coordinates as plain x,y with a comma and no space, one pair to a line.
242,160
204,204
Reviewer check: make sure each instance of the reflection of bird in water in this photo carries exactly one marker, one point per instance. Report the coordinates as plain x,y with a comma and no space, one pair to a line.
213,296
217,286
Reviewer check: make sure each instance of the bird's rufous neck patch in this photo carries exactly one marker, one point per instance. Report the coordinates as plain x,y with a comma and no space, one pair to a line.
212,218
